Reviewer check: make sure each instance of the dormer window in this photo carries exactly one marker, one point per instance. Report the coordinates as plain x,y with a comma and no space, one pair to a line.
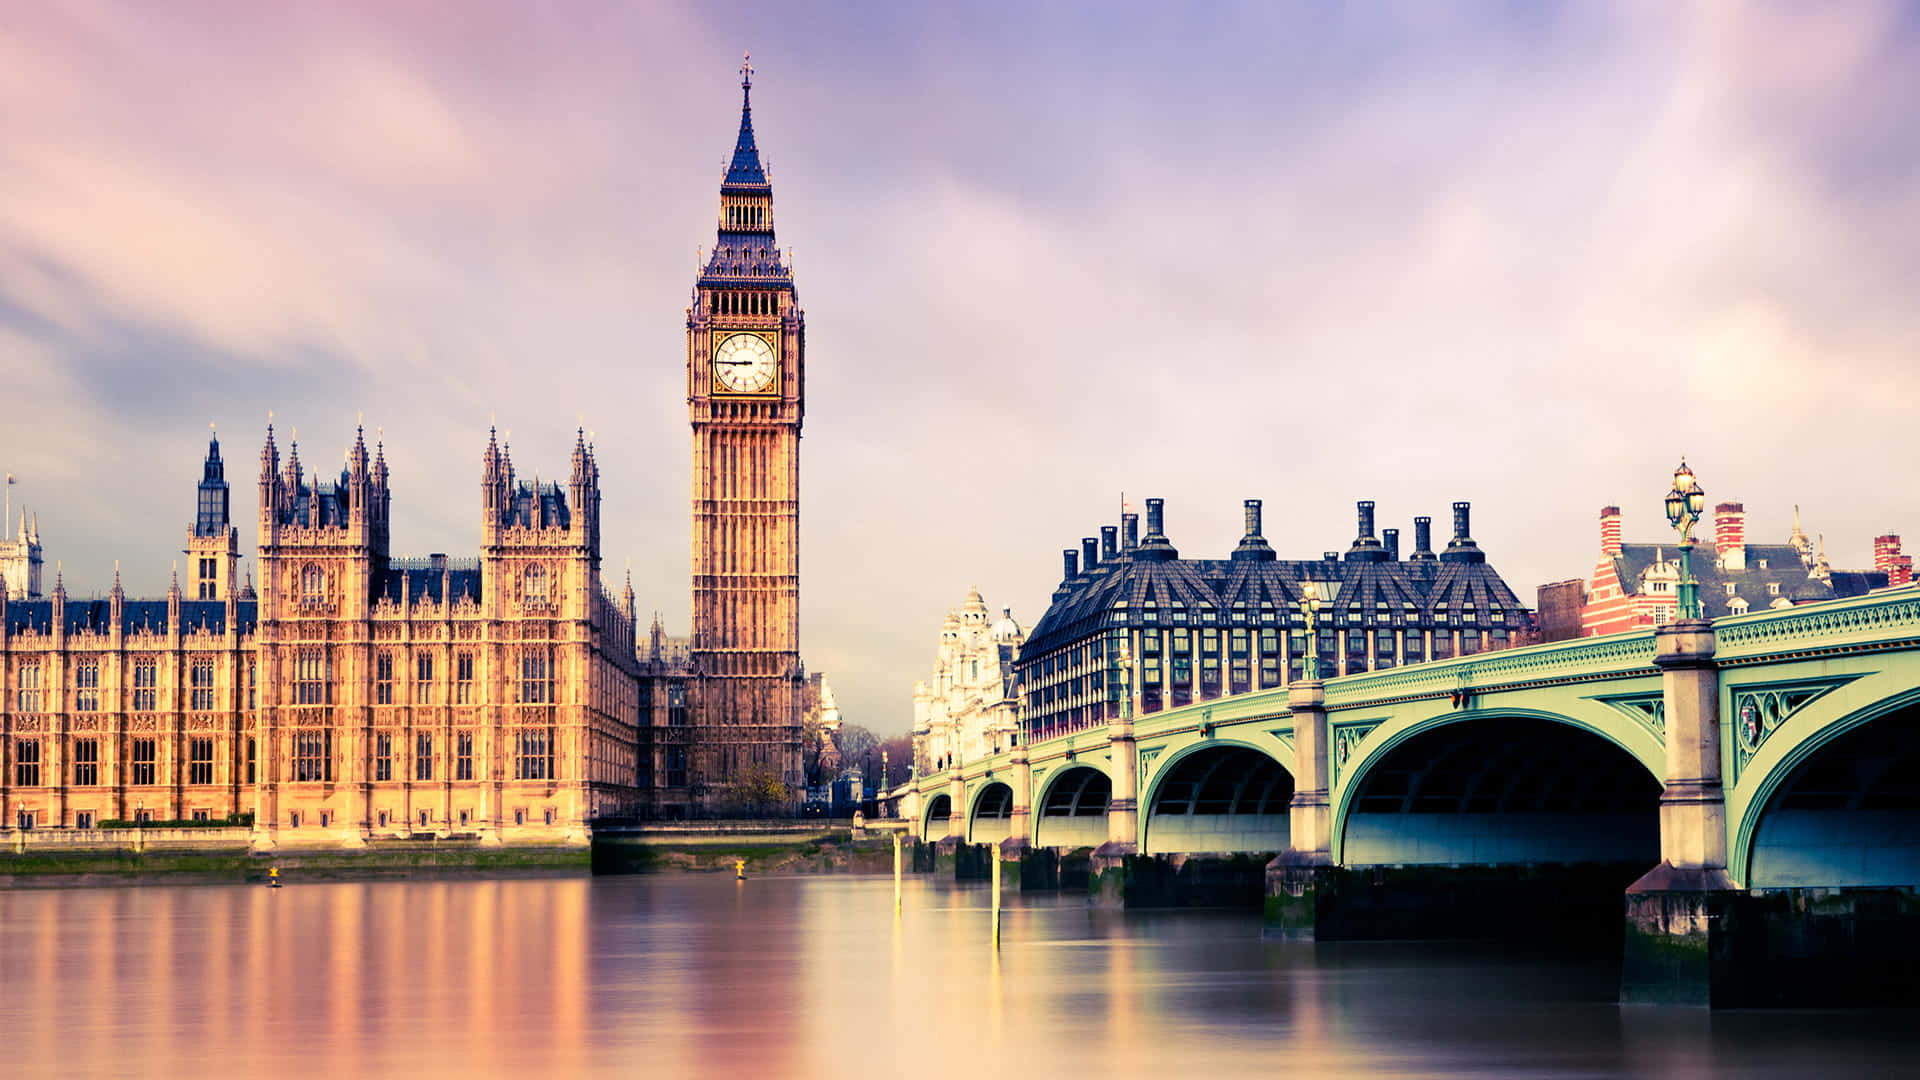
1773,588
1732,587
1763,564
1737,606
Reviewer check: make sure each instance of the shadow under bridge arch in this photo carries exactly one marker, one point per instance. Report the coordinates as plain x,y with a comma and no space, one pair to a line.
934,825
1073,809
992,817
1502,791
1219,798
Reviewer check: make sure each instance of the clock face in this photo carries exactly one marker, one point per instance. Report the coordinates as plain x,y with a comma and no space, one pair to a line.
745,364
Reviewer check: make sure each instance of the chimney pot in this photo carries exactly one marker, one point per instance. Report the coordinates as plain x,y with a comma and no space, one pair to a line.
1070,560
1462,521
1109,539
1253,517
1366,518
1609,530
1130,531
1089,552
1423,535
1156,517
1392,537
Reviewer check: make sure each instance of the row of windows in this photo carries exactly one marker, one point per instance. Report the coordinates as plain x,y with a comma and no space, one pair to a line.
313,759
86,686
142,762
1267,614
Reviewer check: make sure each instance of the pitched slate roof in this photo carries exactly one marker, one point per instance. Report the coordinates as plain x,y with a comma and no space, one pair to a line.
1082,604
97,615
1784,568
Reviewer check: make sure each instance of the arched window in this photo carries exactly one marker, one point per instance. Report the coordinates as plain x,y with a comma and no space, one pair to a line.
313,583
536,585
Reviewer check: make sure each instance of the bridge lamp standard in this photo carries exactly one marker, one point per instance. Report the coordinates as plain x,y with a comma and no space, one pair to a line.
1310,608
1684,504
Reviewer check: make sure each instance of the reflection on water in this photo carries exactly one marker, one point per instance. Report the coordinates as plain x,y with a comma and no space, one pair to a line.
813,976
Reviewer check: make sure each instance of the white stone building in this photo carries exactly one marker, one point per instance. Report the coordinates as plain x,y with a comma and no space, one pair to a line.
970,707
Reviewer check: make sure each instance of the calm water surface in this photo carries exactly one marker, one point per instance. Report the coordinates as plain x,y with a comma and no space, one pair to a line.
813,976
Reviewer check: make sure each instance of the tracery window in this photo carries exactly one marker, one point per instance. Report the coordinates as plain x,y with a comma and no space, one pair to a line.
202,676
313,584
26,762
422,678
535,588
383,678
313,755
86,762
533,755
200,761
145,762
311,668
86,686
536,678
29,681
463,678
146,679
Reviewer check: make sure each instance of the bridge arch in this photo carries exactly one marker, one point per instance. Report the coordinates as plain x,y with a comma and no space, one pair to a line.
1217,795
1072,809
939,809
990,813
1499,787
1838,801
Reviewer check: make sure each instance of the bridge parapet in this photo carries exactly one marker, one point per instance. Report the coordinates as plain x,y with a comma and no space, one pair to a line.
1559,661
1884,618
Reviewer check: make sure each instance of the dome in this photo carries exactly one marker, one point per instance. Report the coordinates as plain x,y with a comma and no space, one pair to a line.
1005,629
974,606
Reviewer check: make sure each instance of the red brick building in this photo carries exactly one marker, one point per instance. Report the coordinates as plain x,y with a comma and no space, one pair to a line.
1637,585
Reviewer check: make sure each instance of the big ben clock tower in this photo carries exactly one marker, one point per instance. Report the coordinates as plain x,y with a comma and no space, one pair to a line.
746,347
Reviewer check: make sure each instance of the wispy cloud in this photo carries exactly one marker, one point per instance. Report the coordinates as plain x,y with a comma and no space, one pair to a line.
1523,254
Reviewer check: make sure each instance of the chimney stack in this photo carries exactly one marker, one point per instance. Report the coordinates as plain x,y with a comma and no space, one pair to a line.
1392,537
1070,560
1109,540
1609,530
1887,558
1089,552
1253,517
1366,519
1156,517
1422,539
1461,548
1730,535
1129,531
1253,546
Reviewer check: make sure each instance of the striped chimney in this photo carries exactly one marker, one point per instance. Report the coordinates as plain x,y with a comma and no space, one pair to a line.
1609,530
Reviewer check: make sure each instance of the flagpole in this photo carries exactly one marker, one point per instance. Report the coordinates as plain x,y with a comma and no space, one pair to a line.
6,526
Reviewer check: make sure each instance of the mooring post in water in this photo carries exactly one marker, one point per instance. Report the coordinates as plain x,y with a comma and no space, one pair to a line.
896,873
996,899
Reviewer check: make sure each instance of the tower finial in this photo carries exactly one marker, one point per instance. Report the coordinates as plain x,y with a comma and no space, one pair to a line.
746,71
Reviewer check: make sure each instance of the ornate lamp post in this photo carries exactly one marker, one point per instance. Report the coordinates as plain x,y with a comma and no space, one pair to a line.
1684,504
1310,607
1124,660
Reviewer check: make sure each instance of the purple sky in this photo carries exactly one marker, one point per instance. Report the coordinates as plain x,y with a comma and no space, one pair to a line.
1523,254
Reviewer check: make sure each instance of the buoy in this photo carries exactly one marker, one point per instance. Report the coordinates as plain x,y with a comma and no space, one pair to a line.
740,869
273,877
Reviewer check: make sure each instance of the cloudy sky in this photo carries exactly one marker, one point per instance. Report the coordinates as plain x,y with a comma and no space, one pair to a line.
1524,254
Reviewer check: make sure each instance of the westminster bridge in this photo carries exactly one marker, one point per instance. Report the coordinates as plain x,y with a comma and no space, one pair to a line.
1752,784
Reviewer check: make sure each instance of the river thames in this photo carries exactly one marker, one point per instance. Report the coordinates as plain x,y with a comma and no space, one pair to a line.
814,977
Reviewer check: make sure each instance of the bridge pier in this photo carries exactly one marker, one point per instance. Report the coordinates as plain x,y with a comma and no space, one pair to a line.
1679,913
1108,875
1302,881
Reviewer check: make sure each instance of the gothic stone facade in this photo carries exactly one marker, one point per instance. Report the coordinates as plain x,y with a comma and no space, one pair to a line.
356,696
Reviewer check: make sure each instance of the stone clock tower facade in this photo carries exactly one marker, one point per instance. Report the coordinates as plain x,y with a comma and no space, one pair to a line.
746,348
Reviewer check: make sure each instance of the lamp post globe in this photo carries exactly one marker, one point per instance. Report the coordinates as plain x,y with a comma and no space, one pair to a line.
1684,505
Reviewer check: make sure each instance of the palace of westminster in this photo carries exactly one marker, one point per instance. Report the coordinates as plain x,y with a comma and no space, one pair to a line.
353,694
